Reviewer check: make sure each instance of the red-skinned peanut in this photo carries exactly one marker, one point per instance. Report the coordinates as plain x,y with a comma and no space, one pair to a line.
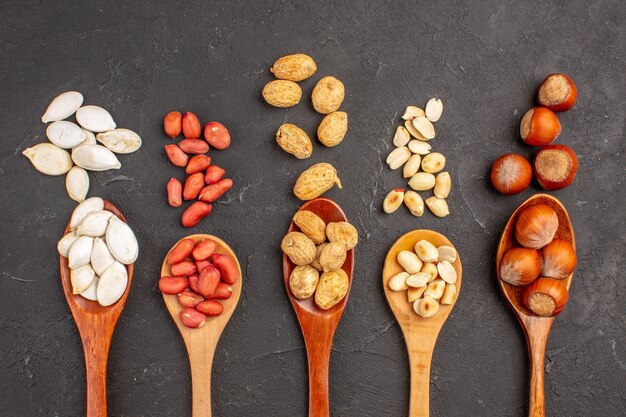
227,267
204,249
195,212
217,135
191,126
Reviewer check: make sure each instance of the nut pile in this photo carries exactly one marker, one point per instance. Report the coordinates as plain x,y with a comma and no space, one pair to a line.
327,96
413,154
319,247
428,278
200,277
97,247
86,154
542,263
554,166
204,181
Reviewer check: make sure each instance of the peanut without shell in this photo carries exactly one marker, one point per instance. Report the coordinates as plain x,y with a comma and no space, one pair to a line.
428,277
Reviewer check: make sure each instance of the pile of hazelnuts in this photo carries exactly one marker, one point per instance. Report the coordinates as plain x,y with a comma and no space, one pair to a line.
554,166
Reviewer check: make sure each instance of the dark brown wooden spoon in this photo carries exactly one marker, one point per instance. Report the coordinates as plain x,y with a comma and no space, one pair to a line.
318,326
96,325
536,329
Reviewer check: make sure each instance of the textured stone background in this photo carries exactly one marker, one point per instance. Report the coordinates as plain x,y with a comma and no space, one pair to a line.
141,59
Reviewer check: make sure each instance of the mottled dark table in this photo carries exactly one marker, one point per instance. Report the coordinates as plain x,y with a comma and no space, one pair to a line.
141,59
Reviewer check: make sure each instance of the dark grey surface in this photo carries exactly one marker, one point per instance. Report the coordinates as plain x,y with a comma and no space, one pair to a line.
141,59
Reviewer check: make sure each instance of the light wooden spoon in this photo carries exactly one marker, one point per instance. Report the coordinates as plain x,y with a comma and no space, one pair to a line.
201,343
318,326
536,329
96,325
420,334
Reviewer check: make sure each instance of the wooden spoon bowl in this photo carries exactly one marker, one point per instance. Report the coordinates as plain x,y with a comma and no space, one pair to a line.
318,326
536,329
96,325
202,342
420,334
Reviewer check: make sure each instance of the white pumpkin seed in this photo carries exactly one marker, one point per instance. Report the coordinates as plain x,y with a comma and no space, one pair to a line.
434,108
49,159
80,252
424,126
101,258
83,209
91,293
95,118
81,278
121,241
77,184
419,147
64,134
63,106
88,137
121,140
95,224
401,138
112,284
66,243
95,158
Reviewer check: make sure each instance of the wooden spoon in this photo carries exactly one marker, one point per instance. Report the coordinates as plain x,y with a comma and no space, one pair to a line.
318,326
420,334
536,329
201,343
96,325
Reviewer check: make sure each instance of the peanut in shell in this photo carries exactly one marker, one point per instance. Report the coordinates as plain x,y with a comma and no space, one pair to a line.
299,248
303,281
282,93
331,289
333,256
327,95
333,128
311,225
342,232
294,140
315,181
296,67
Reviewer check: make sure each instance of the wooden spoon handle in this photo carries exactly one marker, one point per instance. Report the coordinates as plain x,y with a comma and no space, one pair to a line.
419,405
537,352
318,354
96,358
420,346
201,363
